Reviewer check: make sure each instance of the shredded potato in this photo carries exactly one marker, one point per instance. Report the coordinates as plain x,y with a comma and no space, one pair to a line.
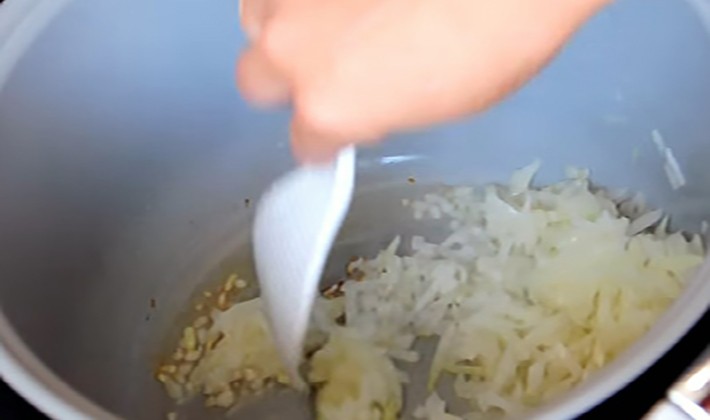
531,292
356,381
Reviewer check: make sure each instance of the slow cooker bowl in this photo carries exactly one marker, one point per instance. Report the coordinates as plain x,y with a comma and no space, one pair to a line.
127,157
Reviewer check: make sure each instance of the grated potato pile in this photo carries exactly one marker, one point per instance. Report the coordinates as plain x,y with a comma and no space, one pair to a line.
531,292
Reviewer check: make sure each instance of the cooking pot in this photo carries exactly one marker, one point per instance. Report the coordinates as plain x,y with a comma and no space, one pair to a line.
128,162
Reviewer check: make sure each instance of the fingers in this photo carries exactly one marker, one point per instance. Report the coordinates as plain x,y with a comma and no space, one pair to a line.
257,77
252,14
311,146
259,80
283,64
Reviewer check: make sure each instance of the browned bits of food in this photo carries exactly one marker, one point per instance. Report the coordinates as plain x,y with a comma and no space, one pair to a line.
351,269
230,283
333,291
200,321
213,341
153,303
168,369
193,355
222,302
199,338
354,272
189,339
411,180
283,379
178,355
231,287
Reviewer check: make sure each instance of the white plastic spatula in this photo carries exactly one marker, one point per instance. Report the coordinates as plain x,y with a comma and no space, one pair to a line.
296,222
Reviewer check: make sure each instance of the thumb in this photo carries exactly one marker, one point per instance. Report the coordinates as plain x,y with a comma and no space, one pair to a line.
310,146
313,146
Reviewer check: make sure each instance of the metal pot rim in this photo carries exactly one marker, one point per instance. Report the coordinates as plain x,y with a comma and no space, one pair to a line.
20,24
22,21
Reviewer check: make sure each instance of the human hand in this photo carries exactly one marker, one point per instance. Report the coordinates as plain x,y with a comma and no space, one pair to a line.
356,70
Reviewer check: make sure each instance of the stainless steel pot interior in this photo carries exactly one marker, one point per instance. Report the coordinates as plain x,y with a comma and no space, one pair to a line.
126,157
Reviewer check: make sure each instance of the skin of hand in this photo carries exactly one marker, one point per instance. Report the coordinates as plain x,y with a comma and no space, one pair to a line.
356,70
